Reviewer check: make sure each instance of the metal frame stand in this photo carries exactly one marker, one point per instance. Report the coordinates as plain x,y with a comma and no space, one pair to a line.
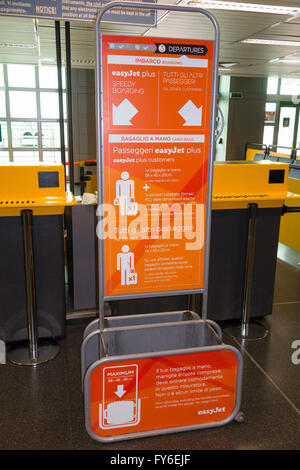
30,352
248,330
137,339
100,163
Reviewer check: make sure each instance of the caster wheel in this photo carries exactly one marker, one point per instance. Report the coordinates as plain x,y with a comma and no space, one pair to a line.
240,418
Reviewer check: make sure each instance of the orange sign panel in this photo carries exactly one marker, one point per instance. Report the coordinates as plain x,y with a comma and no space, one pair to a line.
143,394
156,119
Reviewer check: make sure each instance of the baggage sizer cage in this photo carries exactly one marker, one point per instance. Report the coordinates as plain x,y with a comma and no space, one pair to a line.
152,374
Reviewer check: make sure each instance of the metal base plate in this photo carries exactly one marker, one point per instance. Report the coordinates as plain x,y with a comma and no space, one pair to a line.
19,354
252,332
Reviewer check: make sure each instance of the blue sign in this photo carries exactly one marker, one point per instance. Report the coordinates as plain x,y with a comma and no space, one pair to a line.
77,10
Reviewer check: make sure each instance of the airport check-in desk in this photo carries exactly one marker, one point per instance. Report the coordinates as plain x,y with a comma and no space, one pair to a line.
290,223
236,185
37,191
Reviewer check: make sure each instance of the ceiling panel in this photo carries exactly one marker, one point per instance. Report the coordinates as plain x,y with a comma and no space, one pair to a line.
234,26
286,29
280,37
296,20
253,51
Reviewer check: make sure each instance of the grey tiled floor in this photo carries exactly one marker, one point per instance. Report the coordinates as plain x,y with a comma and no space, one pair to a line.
42,408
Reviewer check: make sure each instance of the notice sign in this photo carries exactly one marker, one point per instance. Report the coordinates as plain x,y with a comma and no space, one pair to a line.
77,10
116,410
162,392
156,118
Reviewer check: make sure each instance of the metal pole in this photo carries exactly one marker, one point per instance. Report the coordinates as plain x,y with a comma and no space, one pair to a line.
211,156
69,102
246,311
249,330
191,303
32,353
30,285
60,94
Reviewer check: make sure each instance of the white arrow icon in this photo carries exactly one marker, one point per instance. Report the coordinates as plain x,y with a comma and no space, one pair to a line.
191,114
123,113
120,392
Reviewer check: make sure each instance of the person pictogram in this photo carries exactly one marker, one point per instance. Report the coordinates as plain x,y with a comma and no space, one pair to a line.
125,264
125,198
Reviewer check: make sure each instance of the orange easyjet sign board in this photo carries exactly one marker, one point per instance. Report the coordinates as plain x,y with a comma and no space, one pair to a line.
145,394
155,130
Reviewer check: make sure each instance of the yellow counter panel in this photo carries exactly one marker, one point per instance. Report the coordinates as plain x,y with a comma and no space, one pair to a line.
250,153
39,187
239,183
290,223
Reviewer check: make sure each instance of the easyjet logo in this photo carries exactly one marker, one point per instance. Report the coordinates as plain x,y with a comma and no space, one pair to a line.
212,411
